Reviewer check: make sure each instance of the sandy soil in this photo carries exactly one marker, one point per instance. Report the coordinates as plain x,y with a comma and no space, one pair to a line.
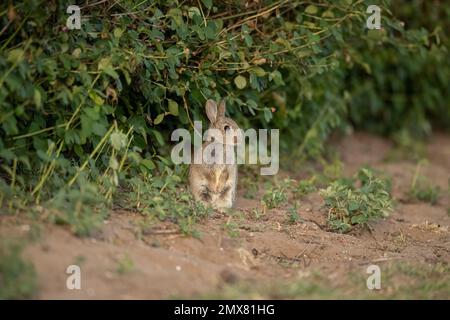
265,249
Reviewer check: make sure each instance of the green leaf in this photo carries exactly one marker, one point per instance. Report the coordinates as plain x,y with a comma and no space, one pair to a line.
118,140
177,16
149,164
208,3
353,205
7,154
311,9
96,98
37,98
99,129
260,72
173,107
111,72
328,14
210,30
76,53
267,114
71,137
15,55
158,137
127,76
113,163
92,113
248,40
240,82
276,77
164,160
159,118
118,32
104,63
194,11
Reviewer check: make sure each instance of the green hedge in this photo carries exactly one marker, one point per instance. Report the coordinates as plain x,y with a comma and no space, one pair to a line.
405,86
98,104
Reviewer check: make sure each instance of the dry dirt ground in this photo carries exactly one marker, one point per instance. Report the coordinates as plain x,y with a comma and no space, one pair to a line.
250,255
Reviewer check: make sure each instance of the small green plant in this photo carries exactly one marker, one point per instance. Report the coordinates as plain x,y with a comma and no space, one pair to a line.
125,264
231,227
332,170
293,216
250,187
12,199
305,187
163,198
276,195
17,276
249,181
406,147
350,205
332,167
257,214
422,189
83,209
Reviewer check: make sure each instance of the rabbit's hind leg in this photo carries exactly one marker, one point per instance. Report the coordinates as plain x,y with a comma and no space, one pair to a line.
225,199
198,185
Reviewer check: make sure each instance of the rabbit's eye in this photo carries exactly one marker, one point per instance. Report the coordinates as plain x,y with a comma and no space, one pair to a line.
226,128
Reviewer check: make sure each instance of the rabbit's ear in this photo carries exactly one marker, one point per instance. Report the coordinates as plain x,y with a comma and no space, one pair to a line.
211,110
222,107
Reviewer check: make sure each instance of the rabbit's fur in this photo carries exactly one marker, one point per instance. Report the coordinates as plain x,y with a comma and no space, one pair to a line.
215,184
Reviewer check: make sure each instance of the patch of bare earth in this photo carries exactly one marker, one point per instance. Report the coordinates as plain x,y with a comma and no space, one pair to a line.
249,245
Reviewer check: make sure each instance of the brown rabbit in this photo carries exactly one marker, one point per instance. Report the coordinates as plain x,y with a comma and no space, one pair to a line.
214,184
